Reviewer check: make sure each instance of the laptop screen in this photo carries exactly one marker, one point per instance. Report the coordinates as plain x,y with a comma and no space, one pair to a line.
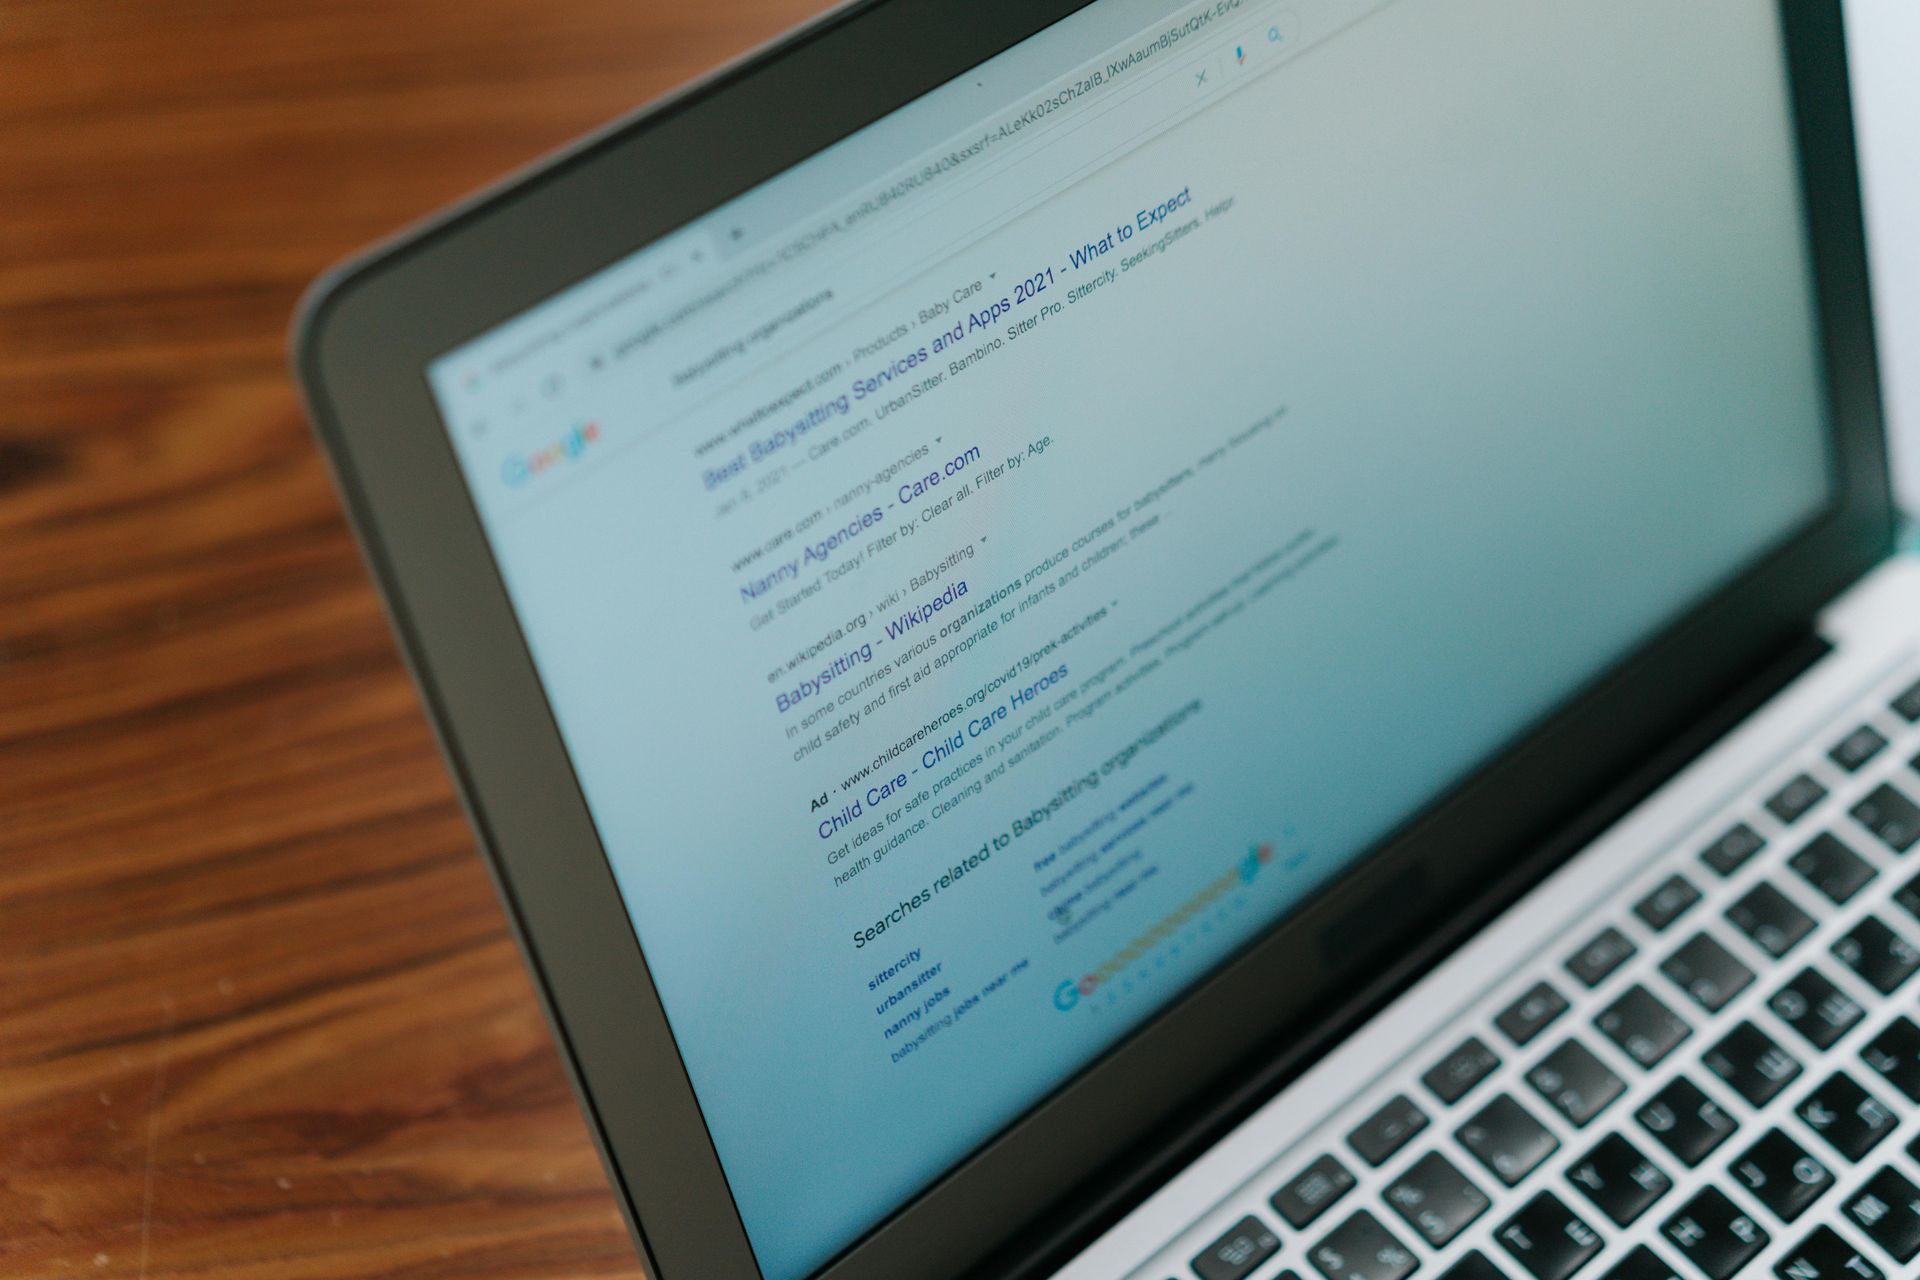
991,572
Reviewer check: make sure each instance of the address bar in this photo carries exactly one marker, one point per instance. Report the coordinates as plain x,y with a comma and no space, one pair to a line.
1037,168
1008,135
1097,78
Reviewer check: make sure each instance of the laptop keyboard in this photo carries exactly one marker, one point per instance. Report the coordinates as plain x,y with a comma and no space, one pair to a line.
1729,1046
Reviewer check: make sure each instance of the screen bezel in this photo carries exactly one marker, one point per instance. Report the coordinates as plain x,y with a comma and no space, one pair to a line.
364,340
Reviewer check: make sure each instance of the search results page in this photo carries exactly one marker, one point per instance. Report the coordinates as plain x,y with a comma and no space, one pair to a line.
980,599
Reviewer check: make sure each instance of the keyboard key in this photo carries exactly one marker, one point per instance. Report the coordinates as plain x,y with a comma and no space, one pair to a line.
1644,1028
1473,1266
1528,1016
1575,1082
1686,1120
1312,1191
1817,1009
1507,1140
1825,1256
1707,971
1772,919
1890,814
1907,705
1878,954
1622,1183
1832,868
1547,1239
1361,1249
1436,1199
1730,852
1642,1264
1454,1076
1781,1175
1858,747
1236,1254
1714,1235
1673,899
1909,897
1600,957
1852,1120
1752,1065
1387,1130
1895,1054
1792,801
1887,1209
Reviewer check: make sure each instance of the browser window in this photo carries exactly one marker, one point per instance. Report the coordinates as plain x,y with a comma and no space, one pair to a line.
990,573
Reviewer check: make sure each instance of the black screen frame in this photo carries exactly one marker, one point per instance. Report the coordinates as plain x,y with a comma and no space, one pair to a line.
363,340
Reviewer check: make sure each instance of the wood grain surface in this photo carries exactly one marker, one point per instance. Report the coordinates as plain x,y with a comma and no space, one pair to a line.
259,1012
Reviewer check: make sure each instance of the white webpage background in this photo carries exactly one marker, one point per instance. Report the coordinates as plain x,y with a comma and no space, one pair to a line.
1384,263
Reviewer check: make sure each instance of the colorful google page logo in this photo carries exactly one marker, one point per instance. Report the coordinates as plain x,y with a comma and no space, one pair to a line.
1068,994
519,468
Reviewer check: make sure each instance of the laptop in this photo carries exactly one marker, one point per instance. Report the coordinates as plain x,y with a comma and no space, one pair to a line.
1243,640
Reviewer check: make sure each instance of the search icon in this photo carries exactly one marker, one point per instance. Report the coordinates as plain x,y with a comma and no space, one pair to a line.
1273,35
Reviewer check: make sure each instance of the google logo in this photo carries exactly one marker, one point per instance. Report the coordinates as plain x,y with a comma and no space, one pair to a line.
1068,994
518,468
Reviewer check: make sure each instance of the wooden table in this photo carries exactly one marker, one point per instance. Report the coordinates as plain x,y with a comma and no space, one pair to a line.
259,1012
